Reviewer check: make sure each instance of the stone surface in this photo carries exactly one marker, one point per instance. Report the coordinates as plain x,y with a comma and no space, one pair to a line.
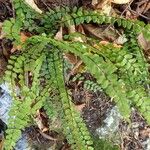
109,129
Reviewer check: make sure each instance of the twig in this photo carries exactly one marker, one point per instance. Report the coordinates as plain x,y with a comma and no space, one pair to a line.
47,136
128,6
139,14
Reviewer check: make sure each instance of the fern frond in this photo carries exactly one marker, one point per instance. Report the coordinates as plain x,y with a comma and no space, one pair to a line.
25,97
105,73
92,86
38,70
65,16
74,127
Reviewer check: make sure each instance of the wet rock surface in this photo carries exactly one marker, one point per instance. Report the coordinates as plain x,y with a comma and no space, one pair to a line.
5,102
110,126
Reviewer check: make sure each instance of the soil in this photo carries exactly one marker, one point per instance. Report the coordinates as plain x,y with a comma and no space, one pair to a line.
5,10
46,4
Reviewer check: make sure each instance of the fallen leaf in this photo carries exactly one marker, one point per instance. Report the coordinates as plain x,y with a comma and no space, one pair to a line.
77,68
2,144
71,58
3,65
32,4
145,132
80,29
94,2
72,29
101,32
117,46
104,6
106,9
39,120
104,42
2,34
121,40
120,1
23,38
142,7
79,107
145,44
59,34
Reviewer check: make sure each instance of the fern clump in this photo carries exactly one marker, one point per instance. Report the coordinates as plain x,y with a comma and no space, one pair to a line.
38,70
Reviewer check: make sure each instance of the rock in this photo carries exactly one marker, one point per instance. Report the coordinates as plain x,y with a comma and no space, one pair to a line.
5,102
110,126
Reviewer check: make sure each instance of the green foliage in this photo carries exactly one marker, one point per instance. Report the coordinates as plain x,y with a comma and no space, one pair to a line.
38,70
74,127
92,86
146,32
25,19
104,145
88,84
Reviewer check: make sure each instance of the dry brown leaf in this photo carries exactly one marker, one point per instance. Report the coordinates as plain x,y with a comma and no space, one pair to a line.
71,58
106,9
145,132
142,7
3,65
77,68
104,6
59,34
93,30
102,32
1,144
32,4
80,107
38,119
120,1
147,8
2,34
143,42
1,24
94,2
104,42
80,29
71,29
23,38
117,46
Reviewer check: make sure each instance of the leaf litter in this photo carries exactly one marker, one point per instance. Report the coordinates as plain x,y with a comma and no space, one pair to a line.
97,108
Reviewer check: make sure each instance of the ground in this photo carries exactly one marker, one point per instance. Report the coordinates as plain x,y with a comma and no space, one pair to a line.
97,109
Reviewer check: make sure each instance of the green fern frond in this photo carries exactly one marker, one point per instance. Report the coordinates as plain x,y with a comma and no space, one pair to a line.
106,74
74,126
38,70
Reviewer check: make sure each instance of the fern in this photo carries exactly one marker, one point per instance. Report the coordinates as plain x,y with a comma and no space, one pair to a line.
104,72
38,70
92,86
79,137
87,84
